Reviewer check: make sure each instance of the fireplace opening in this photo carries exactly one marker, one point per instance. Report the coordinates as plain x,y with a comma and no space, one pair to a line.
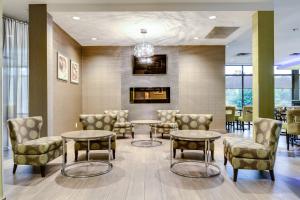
150,95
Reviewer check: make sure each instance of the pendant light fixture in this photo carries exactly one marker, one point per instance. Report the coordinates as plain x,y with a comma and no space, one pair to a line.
143,50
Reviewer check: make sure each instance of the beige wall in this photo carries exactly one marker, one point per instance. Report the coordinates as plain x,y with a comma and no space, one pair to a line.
101,80
202,81
196,71
66,96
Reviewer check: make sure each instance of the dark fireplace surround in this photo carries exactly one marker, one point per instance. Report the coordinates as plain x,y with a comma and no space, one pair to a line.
150,95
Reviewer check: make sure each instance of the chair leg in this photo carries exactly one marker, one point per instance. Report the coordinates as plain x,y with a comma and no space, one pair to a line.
66,158
132,134
15,168
249,125
43,170
87,154
114,153
150,134
225,160
76,155
235,174
212,155
243,126
162,135
181,150
272,175
292,139
288,142
174,153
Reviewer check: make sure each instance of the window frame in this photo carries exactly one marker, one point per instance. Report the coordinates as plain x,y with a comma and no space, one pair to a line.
251,75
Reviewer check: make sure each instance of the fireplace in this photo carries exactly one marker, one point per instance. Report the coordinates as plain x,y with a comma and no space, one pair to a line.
150,95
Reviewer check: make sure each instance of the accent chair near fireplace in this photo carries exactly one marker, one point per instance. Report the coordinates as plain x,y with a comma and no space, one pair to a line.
168,122
122,126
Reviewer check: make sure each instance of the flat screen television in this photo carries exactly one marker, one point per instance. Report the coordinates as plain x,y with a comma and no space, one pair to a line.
156,64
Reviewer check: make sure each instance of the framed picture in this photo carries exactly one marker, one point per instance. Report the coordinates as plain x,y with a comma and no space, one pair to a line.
154,65
74,72
62,67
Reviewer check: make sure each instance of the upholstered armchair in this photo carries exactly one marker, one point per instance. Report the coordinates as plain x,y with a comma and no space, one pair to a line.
292,126
246,117
258,153
230,116
192,122
168,123
122,126
27,145
96,122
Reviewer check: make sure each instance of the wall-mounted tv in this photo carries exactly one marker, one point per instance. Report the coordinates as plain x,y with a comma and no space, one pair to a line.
156,64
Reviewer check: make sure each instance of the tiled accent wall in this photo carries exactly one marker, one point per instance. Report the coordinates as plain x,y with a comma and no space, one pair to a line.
148,111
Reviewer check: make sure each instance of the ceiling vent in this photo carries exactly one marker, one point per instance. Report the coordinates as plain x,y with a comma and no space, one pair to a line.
243,54
220,32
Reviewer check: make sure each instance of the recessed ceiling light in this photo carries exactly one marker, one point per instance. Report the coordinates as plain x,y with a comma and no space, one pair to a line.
93,38
212,17
76,18
196,38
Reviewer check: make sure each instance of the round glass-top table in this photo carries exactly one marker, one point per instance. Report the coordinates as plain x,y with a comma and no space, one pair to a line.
152,142
87,136
206,168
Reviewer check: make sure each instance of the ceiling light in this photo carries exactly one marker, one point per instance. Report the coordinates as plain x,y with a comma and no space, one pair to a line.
196,38
212,17
144,49
93,38
76,18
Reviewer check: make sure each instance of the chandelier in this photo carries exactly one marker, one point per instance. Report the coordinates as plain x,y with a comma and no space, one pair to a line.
143,50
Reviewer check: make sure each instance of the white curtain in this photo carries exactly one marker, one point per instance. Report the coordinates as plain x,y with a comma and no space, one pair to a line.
15,71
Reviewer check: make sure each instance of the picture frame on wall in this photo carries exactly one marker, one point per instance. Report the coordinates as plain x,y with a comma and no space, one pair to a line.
62,67
74,72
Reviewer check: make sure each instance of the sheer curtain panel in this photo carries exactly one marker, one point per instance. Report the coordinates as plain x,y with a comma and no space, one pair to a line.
15,71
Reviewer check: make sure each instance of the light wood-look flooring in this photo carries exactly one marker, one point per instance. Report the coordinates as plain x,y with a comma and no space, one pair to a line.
143,173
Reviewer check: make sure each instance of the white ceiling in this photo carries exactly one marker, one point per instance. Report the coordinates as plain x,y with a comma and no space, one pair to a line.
19,8
164,28
287,41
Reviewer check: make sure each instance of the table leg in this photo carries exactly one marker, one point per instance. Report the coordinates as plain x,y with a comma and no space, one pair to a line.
171,151
109,148
64,153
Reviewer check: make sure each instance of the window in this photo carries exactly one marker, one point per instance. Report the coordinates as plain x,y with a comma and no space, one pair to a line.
283,90
238,85
283,87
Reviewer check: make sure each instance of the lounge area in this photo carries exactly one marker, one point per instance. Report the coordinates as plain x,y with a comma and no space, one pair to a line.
150,100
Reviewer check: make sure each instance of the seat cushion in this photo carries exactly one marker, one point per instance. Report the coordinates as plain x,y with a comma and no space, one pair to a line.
39,146
122,125
245,148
